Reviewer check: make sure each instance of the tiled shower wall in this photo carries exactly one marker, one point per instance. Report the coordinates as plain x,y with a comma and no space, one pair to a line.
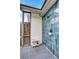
51,29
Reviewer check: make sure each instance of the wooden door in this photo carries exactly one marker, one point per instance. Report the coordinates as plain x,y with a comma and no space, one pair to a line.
25,30
26,41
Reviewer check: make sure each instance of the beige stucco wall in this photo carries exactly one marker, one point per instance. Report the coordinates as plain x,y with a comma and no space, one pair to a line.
36,28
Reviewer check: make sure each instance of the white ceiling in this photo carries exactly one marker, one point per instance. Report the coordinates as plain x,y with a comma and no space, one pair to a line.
47,6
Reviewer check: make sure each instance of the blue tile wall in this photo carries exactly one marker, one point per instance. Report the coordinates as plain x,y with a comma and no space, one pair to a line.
51,25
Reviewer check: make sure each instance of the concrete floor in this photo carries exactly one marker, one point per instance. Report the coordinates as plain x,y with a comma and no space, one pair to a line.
40,52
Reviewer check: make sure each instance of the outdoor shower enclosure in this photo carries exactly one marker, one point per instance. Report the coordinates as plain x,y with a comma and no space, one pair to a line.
51,29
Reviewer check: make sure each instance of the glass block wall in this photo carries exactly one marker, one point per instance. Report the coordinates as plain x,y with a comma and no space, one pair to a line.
51,29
